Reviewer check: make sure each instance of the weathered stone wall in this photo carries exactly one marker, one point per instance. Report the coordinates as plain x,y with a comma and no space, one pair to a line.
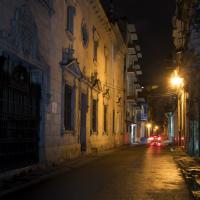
53,39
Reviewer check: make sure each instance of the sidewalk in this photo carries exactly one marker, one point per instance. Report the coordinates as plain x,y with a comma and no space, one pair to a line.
39,173
190,168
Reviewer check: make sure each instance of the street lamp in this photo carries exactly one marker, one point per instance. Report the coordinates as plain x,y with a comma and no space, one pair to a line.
176,80
155,129
148,125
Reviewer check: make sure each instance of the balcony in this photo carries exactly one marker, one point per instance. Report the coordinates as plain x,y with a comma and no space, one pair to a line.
131,70
131,50
131,98
140,99
137,47
142,112
133,36
137,86
138,89
131,45
135,58
131,28
131,120
139,55
137,66
136,82
142,117
138,72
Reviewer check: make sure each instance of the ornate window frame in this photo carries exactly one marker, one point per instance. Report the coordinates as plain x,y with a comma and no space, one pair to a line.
84,33
71,74
70,19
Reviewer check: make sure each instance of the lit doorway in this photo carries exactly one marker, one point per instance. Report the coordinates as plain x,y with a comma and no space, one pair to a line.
133,133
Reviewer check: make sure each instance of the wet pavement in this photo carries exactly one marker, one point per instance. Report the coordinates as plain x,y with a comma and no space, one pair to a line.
135,173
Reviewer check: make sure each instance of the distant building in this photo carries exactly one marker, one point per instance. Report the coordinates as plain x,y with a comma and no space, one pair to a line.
134,108
62,90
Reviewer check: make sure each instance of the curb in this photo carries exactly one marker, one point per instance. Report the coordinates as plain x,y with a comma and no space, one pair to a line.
188,171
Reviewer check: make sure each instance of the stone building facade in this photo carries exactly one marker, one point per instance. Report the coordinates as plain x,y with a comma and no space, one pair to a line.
186,36
71,58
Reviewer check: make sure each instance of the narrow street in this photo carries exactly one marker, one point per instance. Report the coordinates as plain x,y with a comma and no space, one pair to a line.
86,86
134,173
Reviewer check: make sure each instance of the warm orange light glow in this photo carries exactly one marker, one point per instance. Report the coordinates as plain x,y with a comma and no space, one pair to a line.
176,80
156,128
149,125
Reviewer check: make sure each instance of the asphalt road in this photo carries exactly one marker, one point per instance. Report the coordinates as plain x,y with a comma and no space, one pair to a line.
135,173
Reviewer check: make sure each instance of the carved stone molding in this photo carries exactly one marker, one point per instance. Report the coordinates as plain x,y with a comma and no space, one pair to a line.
23,35
49,5
69,63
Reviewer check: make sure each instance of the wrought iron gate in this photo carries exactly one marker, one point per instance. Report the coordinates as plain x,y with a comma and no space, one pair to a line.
19,116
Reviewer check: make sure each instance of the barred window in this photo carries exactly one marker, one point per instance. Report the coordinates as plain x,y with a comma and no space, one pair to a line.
105,118
69,108
94,115
113,121
96,44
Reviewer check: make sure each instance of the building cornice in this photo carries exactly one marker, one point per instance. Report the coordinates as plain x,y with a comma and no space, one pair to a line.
109,27
100,13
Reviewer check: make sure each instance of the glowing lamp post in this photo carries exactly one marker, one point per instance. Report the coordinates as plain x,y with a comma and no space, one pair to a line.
178,83
176,80
149,125
155,129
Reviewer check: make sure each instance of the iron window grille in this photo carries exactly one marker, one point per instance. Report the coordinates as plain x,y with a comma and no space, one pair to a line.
94,115
69,108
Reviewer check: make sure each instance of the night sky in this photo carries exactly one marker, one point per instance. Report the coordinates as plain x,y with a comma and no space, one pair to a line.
153,20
